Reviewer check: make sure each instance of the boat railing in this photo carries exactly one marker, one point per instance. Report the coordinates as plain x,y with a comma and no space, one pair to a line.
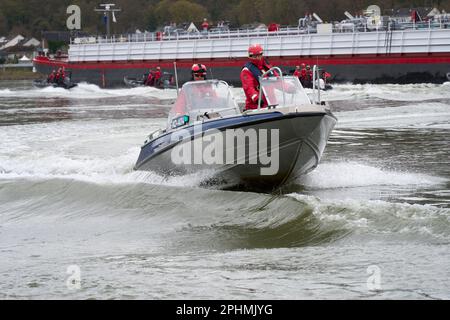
155,134
286,86
280,75
316,85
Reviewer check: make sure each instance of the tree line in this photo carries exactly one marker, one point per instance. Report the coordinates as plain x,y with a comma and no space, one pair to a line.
31,17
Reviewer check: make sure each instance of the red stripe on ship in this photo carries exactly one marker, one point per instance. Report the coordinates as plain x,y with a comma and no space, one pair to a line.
239,62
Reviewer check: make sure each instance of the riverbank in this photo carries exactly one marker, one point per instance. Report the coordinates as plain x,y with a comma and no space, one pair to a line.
18,74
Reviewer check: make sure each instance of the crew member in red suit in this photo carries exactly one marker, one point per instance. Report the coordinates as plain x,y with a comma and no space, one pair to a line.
205,25
157,76
250,74
63,75
297,72
303,74
198,72
58,76
150,78
309,76
51,77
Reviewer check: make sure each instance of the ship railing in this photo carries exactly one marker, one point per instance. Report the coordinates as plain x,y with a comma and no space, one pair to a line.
443,23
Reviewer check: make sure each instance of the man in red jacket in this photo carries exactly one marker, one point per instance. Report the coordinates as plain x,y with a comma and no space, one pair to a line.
297,72
198,72
157,77
250,74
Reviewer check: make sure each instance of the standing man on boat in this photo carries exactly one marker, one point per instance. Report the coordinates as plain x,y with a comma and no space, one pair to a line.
157,77
250,74
150,78
297,72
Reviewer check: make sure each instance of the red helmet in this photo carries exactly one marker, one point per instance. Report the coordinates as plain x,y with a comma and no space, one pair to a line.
254,50
199,69
303,65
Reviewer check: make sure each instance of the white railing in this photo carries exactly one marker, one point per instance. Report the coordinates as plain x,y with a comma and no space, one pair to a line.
263,32
381,42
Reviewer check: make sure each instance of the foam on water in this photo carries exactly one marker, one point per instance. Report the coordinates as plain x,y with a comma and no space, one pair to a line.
381,217
393,92
90,91
353,174
421,115
94,151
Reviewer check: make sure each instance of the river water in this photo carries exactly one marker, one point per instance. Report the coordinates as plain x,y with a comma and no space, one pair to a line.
371,222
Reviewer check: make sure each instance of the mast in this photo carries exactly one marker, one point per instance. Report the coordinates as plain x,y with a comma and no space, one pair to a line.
108,10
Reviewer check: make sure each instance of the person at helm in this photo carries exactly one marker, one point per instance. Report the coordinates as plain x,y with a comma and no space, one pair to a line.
250,74
198,72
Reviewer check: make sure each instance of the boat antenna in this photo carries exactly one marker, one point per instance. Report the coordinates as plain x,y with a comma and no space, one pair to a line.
106,10
176,75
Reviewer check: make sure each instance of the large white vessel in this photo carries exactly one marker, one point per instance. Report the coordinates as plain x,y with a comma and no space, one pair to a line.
371,48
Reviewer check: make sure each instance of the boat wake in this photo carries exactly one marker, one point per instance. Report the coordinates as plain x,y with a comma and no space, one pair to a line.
219,220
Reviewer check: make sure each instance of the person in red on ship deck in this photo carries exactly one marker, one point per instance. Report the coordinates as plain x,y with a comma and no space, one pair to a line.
250,74
205,24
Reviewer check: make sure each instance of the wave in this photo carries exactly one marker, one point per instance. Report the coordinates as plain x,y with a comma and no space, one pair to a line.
201,218
383,218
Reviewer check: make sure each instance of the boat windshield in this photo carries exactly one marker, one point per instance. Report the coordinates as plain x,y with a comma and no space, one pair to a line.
204,97
284,91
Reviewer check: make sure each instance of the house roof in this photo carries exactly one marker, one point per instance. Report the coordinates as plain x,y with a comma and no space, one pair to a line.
13,42
32,42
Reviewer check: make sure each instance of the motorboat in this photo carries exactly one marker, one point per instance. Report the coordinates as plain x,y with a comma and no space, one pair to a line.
43,83
254,150
166,81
